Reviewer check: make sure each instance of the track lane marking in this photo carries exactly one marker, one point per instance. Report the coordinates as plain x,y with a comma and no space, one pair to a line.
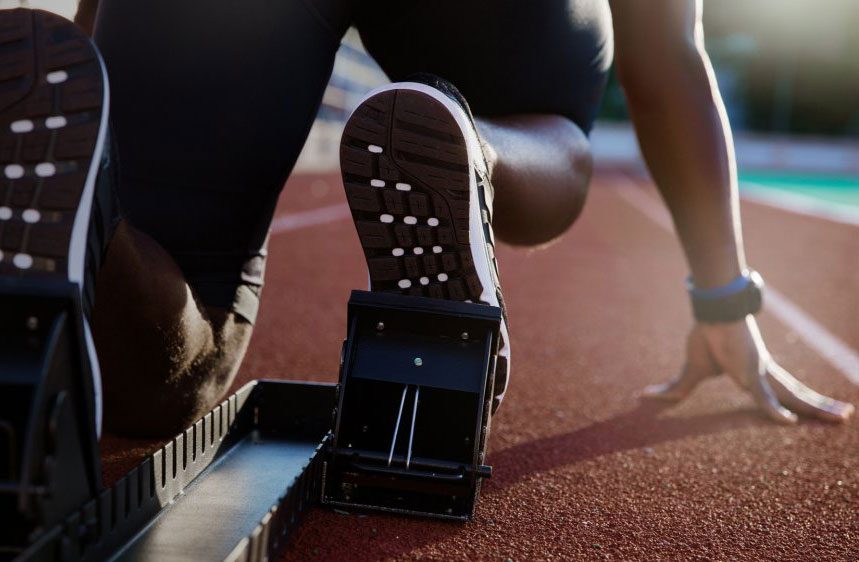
307,219
815,335
800,204
829,346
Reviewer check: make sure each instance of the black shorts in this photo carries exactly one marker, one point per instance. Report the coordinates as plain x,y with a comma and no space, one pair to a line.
212,100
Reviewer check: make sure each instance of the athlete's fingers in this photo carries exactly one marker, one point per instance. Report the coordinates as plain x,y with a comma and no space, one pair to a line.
766,400
699,366
677,388
802,399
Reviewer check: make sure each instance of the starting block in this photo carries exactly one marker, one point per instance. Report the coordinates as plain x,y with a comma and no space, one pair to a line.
49,462
416,381
405,431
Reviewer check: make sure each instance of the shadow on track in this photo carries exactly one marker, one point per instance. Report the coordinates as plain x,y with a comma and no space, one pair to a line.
328,535
637,428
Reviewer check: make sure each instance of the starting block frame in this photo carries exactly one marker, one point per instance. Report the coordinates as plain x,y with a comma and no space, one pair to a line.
171,505
405,431
49,463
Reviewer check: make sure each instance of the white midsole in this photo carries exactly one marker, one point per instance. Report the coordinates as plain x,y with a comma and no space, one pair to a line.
78,242
477,238
77,245
96,378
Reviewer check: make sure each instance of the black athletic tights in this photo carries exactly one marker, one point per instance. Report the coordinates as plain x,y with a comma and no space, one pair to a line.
212,100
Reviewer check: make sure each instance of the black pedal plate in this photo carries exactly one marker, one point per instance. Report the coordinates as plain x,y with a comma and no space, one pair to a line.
231,487
49,462
414,407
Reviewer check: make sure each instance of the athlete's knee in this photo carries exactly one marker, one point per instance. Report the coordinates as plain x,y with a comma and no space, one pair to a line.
551,202
165,401
575,188
567,206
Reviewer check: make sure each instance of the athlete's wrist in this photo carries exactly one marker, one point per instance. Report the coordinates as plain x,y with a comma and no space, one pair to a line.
729,302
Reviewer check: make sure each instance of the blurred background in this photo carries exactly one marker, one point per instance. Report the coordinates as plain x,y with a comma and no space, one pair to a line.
789,75
783,67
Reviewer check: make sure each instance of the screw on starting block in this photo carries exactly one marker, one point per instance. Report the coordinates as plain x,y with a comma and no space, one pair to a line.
49,462
416,381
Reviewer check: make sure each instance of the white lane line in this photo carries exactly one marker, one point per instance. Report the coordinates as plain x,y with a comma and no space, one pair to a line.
799,204
827,345
306,219
838,353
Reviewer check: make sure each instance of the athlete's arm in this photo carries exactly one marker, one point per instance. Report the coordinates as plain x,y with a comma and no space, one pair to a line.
85,16
682,129
685,138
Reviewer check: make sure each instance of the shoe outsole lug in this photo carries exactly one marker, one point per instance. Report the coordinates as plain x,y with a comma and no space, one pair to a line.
422,148
52,82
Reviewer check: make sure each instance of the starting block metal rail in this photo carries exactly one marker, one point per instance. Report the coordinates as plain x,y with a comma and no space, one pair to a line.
405,431
231,487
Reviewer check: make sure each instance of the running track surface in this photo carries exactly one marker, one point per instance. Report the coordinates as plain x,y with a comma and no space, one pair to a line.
583,467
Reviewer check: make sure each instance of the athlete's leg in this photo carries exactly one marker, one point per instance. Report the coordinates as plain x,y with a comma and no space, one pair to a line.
160,349
533,73
541,168
212,101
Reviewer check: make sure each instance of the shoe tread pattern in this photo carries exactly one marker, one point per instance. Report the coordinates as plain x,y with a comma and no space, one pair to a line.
422,146
34,44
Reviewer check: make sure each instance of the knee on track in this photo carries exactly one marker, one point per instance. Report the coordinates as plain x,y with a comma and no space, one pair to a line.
161,404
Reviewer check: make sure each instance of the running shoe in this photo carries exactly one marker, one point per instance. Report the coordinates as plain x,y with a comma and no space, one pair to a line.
417,184
57,204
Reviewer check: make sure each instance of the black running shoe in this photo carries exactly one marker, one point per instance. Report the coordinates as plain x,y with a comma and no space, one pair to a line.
417,184
57,206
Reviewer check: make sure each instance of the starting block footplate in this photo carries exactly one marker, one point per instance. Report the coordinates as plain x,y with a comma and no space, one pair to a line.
414,408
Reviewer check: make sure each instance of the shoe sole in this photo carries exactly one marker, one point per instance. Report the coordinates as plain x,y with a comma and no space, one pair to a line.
408,157
53,123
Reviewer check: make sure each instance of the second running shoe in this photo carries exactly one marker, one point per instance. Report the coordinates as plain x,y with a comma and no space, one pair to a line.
57,205
416,181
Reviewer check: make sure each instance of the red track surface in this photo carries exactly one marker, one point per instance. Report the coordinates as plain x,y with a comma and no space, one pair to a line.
583,468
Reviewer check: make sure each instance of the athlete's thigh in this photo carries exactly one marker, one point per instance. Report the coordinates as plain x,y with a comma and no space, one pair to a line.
506,56
211,102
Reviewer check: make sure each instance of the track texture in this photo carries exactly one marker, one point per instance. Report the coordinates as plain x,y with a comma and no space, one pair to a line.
51,102
583,468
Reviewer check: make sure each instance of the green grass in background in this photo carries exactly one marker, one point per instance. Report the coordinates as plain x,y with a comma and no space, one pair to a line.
840,190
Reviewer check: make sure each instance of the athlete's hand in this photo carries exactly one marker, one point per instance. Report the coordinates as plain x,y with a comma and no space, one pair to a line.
737,349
